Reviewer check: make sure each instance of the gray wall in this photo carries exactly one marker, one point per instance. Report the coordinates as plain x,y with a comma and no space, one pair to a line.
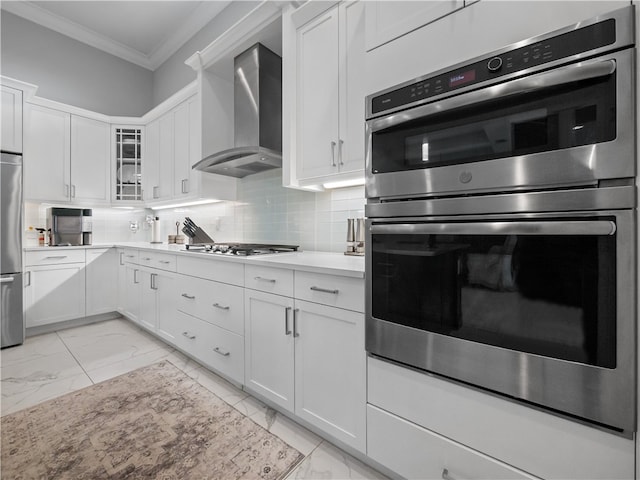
173,74
71,72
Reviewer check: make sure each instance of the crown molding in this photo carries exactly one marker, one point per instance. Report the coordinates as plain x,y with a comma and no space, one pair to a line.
202,15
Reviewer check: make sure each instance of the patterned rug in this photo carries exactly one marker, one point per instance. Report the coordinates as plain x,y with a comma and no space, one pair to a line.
152,423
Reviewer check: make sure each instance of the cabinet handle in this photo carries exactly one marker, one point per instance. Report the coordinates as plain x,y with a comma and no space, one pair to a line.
66,190
154,286
324,290
286,321
221,307
28,279
135,276
155,192
73,191
446,475
185,185
188,335
121,259
340,143
131,256
147,259
295,322
190,297
333,154
262,279
55,257
164,261
220,352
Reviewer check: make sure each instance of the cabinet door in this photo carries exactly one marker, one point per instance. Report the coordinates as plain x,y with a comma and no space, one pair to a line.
181,155
352,81
330,362
122,282
132,293
151,164
101,281
387,20
90,160
317,102
47,148
269,369
164,284
54,293
11,111
148,300
165,157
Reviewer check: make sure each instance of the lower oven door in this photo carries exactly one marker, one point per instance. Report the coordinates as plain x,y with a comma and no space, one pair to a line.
537,309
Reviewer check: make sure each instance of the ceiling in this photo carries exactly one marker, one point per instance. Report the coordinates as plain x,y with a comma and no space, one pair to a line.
142,32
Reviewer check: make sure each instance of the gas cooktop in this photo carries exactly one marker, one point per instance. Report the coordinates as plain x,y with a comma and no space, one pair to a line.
241,249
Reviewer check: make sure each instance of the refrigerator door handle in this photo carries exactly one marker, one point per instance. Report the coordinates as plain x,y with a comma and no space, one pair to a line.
7,280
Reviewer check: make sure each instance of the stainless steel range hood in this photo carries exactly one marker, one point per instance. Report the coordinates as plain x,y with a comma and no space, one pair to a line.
257,117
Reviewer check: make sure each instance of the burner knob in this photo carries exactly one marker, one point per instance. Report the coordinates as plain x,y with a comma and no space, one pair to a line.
494,64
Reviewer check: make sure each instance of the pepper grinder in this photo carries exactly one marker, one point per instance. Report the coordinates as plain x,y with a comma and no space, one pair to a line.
351,237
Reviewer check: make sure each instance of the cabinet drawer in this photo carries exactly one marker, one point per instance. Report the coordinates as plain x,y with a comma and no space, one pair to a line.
333,290
270,280
202,266
162,261
54,257
217,303
218,349
415,452
129,256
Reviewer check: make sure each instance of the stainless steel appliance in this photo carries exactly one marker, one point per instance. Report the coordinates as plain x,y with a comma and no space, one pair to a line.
502,219
257,117
69,226
12,315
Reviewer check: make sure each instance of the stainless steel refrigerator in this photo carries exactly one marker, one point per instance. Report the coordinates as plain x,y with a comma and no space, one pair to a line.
12,314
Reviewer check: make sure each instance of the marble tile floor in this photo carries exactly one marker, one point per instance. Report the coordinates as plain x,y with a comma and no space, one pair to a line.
53,364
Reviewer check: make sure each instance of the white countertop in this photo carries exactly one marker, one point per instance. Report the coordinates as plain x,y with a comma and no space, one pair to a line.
311,261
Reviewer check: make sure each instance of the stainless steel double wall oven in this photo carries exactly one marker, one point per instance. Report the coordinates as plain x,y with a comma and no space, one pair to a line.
501,222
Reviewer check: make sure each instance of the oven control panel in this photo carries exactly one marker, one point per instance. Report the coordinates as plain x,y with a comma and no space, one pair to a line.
562,46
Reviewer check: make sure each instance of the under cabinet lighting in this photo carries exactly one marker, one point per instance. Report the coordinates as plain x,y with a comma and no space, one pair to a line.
186,204
344,183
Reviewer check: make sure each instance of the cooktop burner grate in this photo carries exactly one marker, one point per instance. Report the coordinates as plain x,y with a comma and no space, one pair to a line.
241,249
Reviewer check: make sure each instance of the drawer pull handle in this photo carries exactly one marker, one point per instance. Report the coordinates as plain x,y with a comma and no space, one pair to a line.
190,297
188,335
55,257
221,307
220,352
147,258
262,279
165,261
324,290
131,256
446,475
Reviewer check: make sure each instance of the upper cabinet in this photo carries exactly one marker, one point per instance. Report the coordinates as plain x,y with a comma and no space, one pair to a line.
127,162
66,157
323,62
388,20
11,110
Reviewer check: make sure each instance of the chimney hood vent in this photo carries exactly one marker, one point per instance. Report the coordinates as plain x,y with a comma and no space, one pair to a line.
257,117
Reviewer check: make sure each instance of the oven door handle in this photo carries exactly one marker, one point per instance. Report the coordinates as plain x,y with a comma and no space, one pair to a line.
571,227
559,76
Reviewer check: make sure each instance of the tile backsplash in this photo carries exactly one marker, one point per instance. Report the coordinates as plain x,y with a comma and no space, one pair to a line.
264,212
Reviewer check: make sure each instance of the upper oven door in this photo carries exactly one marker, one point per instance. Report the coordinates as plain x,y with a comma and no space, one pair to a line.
572,125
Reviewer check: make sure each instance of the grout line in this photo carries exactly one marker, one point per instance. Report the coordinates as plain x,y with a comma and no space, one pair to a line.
75,358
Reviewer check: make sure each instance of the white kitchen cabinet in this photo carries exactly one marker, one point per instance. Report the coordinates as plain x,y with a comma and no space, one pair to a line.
54,287
151,165
323,87
101,276
66,157
90,161
157,298
11,111
182,150
387,20
304,356
132,292
127,164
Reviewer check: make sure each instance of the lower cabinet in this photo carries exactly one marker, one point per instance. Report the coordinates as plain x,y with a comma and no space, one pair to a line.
308,358
101,280
132,291
54,293
157,298
415,452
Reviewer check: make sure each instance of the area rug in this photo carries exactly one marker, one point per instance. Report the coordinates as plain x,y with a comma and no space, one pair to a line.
152,423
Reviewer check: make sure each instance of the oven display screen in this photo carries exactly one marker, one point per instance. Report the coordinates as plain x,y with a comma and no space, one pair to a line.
462,78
